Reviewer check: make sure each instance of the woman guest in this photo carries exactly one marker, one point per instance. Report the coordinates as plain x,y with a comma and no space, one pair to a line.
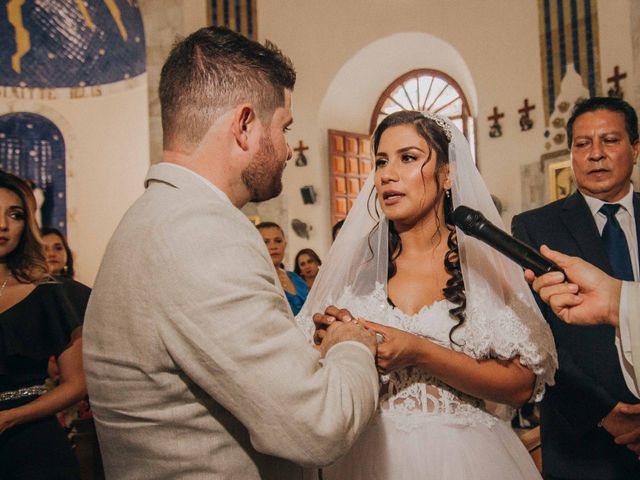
36,321
307,265
60,262
293,285
57,253
59,259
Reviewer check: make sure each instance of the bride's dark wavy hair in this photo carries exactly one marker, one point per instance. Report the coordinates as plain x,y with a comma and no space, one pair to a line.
436,139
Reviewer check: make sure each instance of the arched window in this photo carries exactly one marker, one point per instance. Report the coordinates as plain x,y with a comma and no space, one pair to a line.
426,90
32,147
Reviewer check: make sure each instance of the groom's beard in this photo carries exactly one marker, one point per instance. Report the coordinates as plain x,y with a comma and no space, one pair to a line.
263,176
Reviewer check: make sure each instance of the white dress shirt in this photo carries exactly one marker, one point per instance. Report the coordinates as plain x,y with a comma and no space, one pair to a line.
626,219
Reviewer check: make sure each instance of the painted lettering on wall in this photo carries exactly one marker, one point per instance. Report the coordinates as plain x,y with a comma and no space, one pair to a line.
27,93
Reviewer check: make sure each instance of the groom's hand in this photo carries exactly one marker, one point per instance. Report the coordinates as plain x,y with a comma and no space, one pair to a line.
324,320
338,325
348,331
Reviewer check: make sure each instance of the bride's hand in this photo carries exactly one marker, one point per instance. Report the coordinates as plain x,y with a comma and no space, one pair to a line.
398,348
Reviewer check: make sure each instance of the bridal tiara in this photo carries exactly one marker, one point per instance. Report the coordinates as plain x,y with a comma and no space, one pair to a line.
441,122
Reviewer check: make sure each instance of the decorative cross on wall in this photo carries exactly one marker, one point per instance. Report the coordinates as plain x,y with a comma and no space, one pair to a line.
495,130
616,90
301,159
525,120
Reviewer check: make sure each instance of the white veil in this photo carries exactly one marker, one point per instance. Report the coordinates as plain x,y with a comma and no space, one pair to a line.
502,318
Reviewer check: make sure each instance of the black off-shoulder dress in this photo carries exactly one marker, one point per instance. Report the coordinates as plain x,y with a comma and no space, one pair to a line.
31,331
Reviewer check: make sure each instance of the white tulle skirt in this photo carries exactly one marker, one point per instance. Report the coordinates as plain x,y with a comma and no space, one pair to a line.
437,450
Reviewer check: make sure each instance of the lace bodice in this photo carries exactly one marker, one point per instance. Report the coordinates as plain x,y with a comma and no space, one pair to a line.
412,397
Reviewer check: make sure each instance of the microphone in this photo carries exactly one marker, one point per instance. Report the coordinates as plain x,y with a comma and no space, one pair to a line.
474,224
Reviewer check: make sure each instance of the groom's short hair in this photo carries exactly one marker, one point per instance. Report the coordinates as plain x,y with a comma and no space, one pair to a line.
215,69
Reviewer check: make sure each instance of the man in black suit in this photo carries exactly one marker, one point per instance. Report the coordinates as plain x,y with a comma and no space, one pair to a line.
583,413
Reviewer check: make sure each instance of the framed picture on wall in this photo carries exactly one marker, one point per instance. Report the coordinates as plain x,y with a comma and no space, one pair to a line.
560,179
255,219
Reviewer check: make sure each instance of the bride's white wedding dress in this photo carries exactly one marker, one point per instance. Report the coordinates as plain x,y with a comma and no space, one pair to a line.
425,429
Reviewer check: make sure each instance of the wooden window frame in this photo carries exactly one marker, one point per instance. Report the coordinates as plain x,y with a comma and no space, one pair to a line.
398,82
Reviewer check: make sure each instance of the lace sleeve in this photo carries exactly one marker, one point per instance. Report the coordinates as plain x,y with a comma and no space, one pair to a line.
515,330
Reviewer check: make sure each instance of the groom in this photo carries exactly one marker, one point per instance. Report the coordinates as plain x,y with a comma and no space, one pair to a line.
194,365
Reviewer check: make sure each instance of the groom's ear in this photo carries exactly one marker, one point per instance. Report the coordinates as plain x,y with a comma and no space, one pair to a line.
244,125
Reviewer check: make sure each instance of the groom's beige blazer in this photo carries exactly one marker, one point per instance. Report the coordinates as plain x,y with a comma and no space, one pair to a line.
194,366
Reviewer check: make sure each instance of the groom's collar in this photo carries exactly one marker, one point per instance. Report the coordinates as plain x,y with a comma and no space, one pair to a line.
179,177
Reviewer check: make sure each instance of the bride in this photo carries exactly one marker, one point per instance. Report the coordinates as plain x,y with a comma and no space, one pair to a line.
460,332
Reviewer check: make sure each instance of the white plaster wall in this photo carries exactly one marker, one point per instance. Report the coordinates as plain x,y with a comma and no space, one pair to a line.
634,85
107,156
615,43
102,189
497,42
618,31
164,22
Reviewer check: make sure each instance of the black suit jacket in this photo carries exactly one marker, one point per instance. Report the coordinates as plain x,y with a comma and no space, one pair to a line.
589,381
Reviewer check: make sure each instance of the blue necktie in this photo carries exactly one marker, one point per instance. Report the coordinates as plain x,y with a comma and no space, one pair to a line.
616,243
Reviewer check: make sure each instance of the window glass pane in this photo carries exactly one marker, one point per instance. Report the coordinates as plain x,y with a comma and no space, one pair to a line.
432,92
436,90
447,96
390,107
452,110
411,92
402,99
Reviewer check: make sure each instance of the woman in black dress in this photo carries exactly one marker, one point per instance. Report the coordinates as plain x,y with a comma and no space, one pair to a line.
59,258
36,321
